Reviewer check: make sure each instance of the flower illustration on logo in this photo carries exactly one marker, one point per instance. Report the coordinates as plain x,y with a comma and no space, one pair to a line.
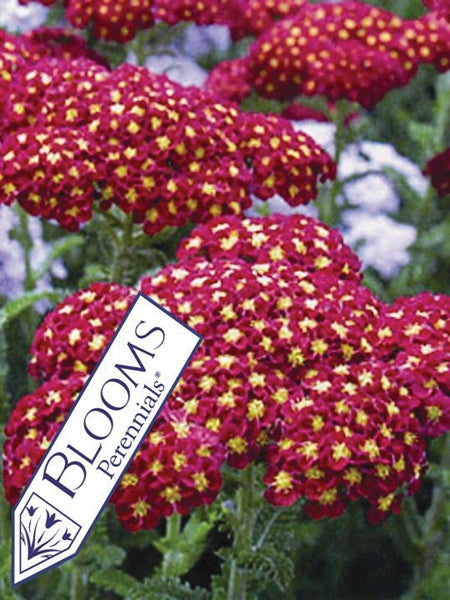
45,532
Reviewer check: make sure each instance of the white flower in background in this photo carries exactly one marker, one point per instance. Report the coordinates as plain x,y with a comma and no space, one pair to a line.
12,266
200,40
374,190
12,259
379,241
15,17
179,60
178,68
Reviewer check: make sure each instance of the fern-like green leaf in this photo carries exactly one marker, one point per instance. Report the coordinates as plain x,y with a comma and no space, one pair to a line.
172,588
114,580
15,307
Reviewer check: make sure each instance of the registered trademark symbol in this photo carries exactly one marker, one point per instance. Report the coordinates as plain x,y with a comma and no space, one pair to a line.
157,374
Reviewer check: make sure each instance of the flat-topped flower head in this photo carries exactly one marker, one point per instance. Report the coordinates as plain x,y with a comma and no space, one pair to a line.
243,17
19,97
176,469
299,239
262,335
196,11
43,155
164,153
117,20
345,50
353,434
58,42
252,17
300,367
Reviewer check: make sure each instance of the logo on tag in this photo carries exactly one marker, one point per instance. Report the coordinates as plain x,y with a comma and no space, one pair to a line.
99,438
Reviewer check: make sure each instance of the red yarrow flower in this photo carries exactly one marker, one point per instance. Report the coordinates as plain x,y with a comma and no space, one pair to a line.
243,17
163,153
229,79
345,50
32,425
299,239
72,337
301,367
117,20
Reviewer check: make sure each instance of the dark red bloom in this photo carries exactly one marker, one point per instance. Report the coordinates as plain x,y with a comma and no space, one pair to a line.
161,152
33,423
301,240
438,168
302,112
345,50
117,20
300,367
229,79
252,17
72,337
243,17
202,13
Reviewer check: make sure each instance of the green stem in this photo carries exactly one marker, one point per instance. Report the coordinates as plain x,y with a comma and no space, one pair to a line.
267,529
123,252
442,119
432,533
170,563
328,209
27,246
173,528
4,407
78,588
140,46
243,534
5,520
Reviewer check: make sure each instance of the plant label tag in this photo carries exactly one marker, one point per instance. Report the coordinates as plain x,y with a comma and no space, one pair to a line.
110,418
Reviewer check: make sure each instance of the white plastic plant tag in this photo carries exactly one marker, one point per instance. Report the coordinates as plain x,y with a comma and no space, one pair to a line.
100,436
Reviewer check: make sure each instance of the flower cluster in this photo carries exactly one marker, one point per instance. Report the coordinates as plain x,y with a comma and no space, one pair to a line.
344,50
438,169
32,425
243,17
310,245
258,15
301,367
176,469
72,337
20,52
120,20
230,79
117,20
202,13
74,132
